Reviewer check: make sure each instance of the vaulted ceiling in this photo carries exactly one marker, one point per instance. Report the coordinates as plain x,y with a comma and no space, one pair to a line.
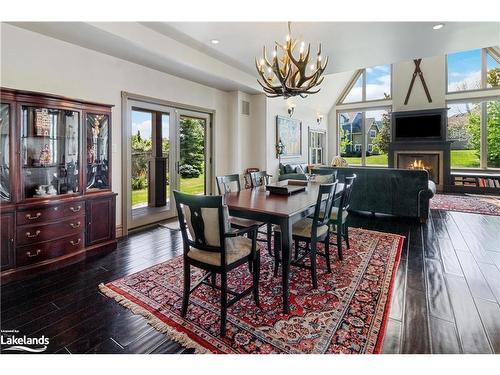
185,49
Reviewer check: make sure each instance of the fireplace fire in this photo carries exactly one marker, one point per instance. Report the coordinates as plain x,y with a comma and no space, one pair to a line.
428,162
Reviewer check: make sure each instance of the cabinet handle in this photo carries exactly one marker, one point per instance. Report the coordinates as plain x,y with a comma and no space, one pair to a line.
74,243
78,208
37,253
29,217
29,235
72,225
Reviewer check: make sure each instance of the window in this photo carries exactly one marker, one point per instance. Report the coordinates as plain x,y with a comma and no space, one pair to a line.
364,136
473,70
470,123
316,146
368,84
463,121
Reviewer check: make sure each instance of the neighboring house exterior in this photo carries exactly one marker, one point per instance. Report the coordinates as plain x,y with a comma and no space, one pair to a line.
353,131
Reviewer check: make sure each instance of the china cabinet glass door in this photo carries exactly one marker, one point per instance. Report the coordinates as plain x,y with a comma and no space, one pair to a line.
4,151
50,160
97,151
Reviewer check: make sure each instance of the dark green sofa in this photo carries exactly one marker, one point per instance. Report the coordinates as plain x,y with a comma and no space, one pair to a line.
390,191
290,172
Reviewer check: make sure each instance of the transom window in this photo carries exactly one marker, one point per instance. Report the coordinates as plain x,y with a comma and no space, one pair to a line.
473,70
368,85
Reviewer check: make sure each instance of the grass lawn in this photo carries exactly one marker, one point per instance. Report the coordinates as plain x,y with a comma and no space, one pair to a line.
459,158
188,185
464,158
370,160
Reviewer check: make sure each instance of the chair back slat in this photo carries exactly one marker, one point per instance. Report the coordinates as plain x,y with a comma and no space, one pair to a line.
260,178
224,183
345,199
326,196
202,221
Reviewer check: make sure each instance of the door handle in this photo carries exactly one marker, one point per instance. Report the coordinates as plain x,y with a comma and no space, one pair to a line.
178,167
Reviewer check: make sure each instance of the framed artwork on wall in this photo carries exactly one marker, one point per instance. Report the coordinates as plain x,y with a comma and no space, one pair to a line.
289,132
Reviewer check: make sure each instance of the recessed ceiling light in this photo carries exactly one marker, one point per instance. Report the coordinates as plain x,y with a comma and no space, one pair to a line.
438,26
214,41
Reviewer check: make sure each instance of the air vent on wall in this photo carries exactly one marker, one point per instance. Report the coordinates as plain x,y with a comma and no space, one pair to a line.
245,108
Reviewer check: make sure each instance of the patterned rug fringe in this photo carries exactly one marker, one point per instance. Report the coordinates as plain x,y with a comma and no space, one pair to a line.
153,321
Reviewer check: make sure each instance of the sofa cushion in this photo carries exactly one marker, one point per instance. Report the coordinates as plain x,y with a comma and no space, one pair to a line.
299,169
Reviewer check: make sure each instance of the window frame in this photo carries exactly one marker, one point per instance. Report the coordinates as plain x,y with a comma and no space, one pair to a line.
483,148
484,71
362,73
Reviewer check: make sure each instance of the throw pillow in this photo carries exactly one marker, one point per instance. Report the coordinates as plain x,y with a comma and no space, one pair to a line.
289,169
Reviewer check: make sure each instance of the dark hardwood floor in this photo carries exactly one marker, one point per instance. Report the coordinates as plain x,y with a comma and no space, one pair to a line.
446,297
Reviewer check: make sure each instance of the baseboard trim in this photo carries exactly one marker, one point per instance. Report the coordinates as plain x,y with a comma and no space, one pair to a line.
119,231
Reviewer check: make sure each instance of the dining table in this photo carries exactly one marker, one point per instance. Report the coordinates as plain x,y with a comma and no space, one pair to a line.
284,210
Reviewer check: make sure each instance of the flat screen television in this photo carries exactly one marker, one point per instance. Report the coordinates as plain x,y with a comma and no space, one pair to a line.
420,126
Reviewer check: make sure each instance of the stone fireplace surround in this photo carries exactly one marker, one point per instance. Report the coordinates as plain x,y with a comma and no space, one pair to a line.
424,146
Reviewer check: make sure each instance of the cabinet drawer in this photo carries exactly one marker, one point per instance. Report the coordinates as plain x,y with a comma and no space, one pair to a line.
45,232
45,214
38,252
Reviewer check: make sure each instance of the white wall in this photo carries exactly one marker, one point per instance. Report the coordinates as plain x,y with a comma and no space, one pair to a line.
308,116
31,61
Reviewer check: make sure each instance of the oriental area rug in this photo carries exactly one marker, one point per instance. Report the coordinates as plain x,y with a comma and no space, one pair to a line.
347,313
475,204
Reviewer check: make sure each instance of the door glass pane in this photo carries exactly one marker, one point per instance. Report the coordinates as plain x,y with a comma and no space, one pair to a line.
378,137
165,149
97,151
464,129
141,152
49,152
493,128
4,151
351,136
378,82
192,155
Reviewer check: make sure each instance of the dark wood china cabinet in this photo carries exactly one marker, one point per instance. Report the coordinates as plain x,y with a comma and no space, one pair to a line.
56,203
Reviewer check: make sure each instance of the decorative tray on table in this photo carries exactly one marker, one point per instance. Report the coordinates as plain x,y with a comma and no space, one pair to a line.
287,187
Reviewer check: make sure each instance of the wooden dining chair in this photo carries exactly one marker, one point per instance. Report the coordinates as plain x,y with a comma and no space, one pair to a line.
310,231
324,176
211,245
260,178
231,183
338,218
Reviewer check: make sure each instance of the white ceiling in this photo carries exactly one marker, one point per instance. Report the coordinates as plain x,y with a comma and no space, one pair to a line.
350,45
184,48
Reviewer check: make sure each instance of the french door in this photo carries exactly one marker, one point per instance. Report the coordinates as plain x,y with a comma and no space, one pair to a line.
167,149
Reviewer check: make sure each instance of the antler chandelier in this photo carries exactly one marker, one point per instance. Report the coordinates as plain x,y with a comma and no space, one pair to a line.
287,76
